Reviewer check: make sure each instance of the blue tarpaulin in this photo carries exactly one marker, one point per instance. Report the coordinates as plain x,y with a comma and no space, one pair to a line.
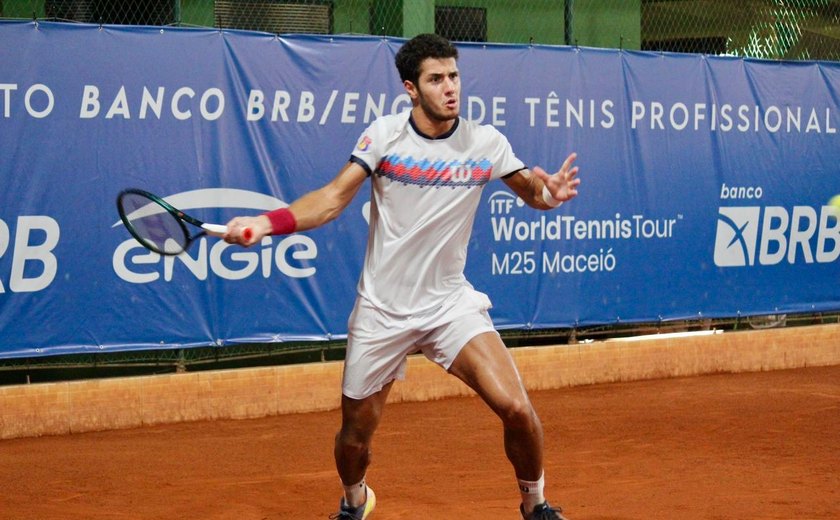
704,183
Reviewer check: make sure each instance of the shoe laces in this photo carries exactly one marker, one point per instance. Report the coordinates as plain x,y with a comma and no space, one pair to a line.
546,512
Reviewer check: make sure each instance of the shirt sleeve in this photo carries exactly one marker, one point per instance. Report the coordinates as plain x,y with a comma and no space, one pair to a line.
505,162
368,150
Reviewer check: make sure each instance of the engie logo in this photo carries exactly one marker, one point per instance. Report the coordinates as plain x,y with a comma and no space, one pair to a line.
135,264
756,235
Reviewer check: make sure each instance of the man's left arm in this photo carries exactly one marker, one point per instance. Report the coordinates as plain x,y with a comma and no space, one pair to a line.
543,190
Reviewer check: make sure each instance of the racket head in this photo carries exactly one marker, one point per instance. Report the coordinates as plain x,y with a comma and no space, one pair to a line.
153,222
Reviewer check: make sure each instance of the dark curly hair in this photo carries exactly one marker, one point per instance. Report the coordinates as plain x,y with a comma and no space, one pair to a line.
417,49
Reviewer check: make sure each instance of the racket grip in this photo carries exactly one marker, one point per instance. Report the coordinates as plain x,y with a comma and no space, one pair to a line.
247,234
214,229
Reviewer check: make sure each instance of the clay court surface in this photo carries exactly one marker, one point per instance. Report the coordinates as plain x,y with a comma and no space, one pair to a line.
744,446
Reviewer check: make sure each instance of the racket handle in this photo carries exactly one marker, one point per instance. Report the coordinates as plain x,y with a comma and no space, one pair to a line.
214,229
220,229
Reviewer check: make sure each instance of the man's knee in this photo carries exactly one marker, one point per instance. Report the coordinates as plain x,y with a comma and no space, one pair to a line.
358,425
518,414
351,443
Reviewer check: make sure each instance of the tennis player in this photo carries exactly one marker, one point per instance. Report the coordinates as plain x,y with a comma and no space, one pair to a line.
427,167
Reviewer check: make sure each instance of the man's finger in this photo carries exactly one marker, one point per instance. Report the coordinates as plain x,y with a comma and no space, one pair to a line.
568,162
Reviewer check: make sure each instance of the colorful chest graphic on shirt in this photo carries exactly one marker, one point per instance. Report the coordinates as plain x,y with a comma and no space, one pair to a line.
424,172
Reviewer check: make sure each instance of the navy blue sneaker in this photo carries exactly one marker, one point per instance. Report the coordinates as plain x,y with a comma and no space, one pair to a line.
543,512
346,512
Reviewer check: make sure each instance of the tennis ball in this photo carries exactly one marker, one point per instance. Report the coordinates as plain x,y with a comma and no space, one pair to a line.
834,203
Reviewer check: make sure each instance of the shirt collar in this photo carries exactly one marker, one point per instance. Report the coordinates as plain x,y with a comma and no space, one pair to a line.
441,136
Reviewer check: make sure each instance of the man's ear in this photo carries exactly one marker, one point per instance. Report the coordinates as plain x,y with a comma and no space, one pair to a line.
411,89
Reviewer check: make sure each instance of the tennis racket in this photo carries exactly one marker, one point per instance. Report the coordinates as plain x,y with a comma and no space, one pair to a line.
161,227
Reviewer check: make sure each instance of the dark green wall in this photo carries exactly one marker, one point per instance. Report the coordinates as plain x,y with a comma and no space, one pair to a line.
596,24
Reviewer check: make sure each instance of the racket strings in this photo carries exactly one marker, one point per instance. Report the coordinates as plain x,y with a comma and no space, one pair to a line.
153,225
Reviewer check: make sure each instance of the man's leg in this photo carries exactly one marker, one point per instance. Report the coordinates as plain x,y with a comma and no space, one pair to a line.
359,420
486,366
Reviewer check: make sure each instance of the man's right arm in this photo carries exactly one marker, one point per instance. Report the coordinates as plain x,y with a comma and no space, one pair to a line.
312,210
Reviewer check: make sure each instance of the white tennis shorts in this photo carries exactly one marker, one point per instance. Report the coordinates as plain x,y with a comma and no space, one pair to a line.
379,342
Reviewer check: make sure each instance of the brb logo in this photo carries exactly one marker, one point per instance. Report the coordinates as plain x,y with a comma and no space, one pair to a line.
135,264
770,235
34,264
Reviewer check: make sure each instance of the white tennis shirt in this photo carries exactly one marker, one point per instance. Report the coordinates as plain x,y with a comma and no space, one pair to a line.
424,195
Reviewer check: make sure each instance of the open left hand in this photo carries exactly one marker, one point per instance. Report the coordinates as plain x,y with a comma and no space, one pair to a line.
563,184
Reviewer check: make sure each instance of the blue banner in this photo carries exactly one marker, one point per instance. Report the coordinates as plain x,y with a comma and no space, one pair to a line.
704,183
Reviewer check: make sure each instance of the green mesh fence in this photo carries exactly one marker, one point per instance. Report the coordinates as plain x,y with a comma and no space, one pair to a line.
773,29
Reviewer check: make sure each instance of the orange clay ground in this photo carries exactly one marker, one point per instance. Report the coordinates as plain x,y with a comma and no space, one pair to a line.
746,446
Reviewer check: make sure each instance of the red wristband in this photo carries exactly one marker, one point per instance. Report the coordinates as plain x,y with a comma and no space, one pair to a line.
282,221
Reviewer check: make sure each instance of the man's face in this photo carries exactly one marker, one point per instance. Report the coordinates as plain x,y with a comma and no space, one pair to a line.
438,89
